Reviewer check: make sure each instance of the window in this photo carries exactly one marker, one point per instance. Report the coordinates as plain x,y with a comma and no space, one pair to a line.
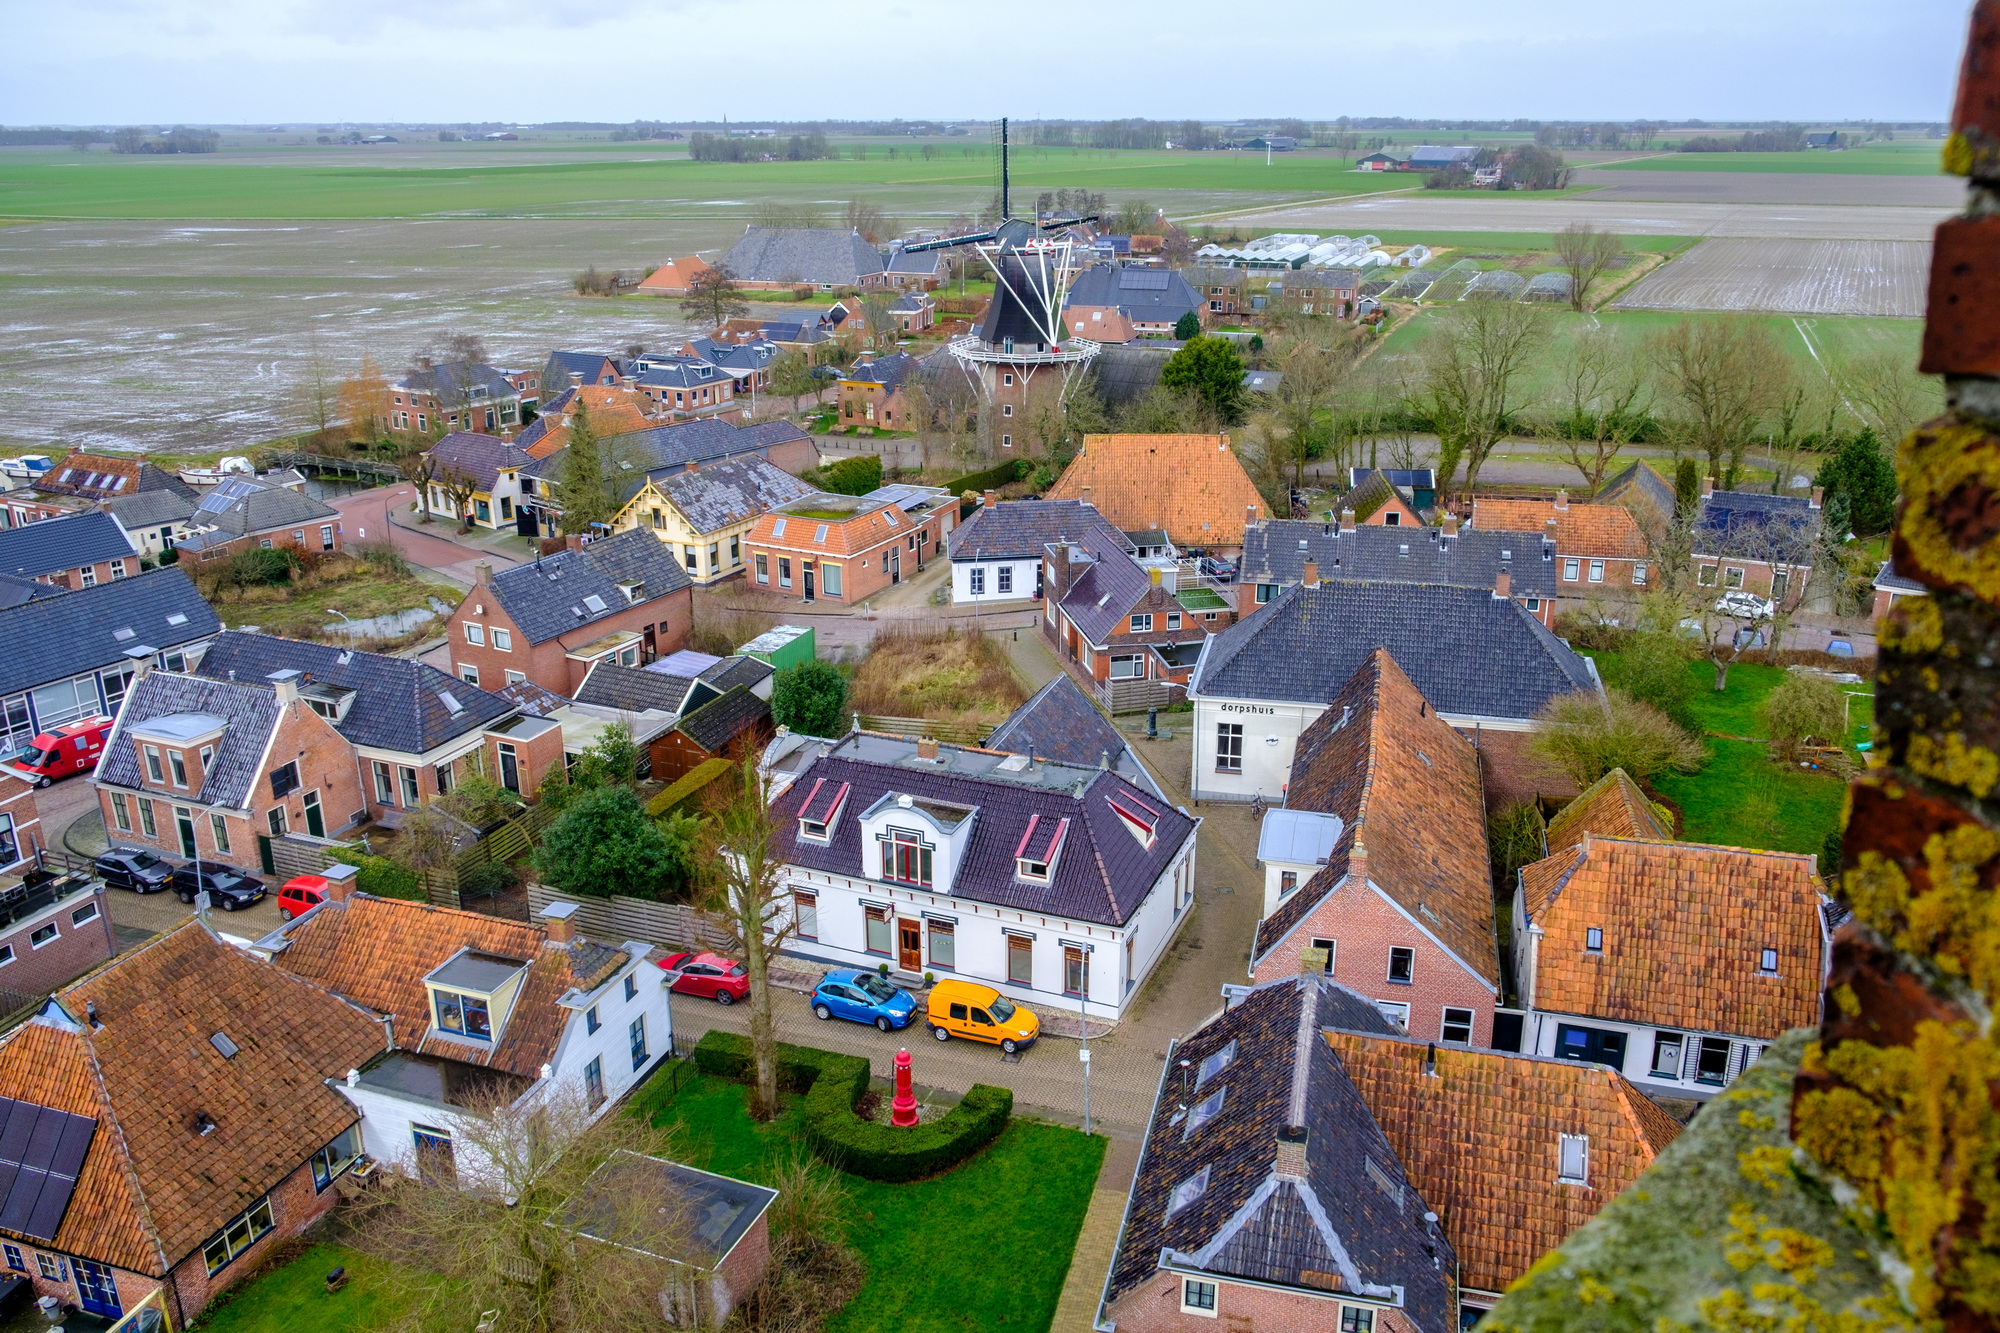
784,571
1007,378
637,1036
284,780
1402,964
1128,666
516,677
87,912
1711,1064
153,771
52,1267
178,762
877,940
905,858
1732,577
1594,1045
385,782
1004,579
1639,573
1076,970
977,581
1457,1027
763,568
1571,568
146,824
46,935
1229,747
1331,947
1668,1049
1173,620
1197,1296
336,1157
408,777
1355,1319
120,815
275,817
90,576
1020,960
475,633
468,673
1593,939
117,569
1288,880
590,1021
465,1015
1573,1159
829,580
1597,571
1767,962
1006,442
243,1231
220,828
1392,519
805,910
1265,592
944,943
503,640
14,1260
1142,624
593,1082
1706,576
736,549
1188,1191
326,536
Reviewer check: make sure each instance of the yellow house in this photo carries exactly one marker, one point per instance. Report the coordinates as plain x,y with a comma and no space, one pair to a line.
704,513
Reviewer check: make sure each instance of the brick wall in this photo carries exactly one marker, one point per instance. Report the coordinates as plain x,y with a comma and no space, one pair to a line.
17,799
75,950
295,1205
744,1267
548,664
1154,1306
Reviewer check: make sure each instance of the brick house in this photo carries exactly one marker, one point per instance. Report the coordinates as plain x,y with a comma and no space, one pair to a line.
20,822
1374,498
686,387
704,513
1267,1196
1675,963
1512,1151
612,410
1100,324
1401,910
76,551
154,521
871,393
416,733
1114,618
1224,294
1319,291
1892,588
199,767
1153,298
1279,553
1192,487
459,395
187,1091
246,513
1762,543
847,548
1596,545
914,312
622,598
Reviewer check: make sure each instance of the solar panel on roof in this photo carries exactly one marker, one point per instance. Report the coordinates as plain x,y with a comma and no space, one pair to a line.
1143,279
41,1151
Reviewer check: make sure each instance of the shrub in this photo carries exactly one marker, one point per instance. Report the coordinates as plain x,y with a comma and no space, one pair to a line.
1653,668
603,845
1803,708
688,786
485,879
261,567
849,476
810,698
1514,838
1587,737
1861,474
989,479
379,875
1584,630
833,1083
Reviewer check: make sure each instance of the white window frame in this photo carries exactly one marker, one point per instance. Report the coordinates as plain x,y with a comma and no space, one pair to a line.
1597,571
1566,1145
1141,622
1445,1024
976,581
1214,1294
503,640
475,633
1572,570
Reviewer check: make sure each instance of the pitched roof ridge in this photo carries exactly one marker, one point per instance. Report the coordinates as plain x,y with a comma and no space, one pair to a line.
1370,764
1678,844
1625,1092
1577,856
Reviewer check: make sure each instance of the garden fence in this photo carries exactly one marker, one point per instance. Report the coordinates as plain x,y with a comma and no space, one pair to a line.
1136,696
669,925
498,846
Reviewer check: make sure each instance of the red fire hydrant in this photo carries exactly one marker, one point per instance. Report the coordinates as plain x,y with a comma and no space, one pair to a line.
903,1109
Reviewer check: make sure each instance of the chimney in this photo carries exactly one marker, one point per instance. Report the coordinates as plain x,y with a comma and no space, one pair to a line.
1503,586
1562,499
559,920
1450,525
339,882
1357,860
986,498
1086,493
1549,530
1707,487
927,747
482,573
1249,516
1312,962
287,683
1291,1159
1310,575
1347,520
572,542
1104,759
1818,496
576,379
693,466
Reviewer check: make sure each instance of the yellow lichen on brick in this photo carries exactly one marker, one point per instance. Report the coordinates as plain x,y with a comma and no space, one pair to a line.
1767,1164
1913,626
1934,461
1956,157
1973,767
1846,1000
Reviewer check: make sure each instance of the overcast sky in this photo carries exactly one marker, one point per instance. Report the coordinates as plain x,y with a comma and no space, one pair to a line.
257,61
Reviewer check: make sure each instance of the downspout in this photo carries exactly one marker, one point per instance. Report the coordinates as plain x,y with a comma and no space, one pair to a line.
388,1022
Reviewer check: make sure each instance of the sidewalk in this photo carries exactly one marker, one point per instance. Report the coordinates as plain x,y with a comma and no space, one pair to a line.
1097,1242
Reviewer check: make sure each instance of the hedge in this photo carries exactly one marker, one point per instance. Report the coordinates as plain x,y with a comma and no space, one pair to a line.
379,875
687,786
833,1083
988,479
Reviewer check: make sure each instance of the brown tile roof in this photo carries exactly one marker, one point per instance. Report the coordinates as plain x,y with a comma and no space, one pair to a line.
611,410
1684,929
1605,530
1099,323
377,952
1479,1141
1192,487
152,1189
855,534
1407,786
1611,807
674,275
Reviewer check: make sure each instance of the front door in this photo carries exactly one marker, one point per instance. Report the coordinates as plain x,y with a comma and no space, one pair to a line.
315,821
510,768
809,582
184,820
95,1290
909,945
895,564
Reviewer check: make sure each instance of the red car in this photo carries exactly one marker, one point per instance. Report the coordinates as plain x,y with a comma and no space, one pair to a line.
720,979
300,895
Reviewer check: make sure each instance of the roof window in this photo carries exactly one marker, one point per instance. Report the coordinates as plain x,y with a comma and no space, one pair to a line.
596,603
1593,939
1767,962
778,527
223,1045
1188,1191
819,534
1215,1063
1573,1159
1204,1111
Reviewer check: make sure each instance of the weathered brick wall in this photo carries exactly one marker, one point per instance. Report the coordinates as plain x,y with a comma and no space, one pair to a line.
1154,1306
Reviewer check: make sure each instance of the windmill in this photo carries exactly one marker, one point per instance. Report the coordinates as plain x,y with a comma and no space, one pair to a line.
1021,333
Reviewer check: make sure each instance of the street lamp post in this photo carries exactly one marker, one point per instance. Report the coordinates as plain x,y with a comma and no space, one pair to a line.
1083,1026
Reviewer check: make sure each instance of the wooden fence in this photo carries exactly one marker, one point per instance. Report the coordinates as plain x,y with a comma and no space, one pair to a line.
509,841
958,733
1136,696
614,920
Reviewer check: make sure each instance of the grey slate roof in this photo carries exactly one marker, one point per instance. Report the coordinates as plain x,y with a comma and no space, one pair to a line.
891,372
399,702
716,724
251,712
730,672
1103,874
1468,652
151,509
633,689
448,381
54,638
57,544
244,507
1127,371
1019,529
922,263
721,494
530,698
15,590
1778,528
681,372
1888,580
1640,489
595,367
1102,596
1275,551
827,256
546,597
1060,722
700,441
479,456
1336,1219
1153,295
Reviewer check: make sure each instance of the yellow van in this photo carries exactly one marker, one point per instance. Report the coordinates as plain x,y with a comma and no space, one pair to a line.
979,1013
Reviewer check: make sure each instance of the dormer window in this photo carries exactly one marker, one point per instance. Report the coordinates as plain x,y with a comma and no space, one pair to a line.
634,593
1139,819
1767,962
471,994
1041,844
464,1015
906,858
821,810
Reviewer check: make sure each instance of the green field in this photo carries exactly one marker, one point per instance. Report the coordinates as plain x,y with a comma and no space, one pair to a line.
1910,157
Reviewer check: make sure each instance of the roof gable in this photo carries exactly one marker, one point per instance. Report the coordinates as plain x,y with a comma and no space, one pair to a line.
823,256
1276,551
57,544
251,712
56,637
1105,591
1611,807
1191,487
1019,529
715,497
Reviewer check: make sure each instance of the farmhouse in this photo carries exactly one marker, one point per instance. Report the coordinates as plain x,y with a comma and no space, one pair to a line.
676,277
1596,545
1191,487
829,258
704,513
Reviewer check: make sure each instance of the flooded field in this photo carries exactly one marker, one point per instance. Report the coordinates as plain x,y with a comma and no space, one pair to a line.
1790,277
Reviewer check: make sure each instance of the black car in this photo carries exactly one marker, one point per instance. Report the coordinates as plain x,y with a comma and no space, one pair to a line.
228,887
134,868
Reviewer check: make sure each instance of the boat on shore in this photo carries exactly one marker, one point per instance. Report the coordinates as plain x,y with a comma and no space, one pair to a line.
232,465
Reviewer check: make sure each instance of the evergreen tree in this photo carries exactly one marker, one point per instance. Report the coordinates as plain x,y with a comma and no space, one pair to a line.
583,478
1187,327
1211,368
1862,475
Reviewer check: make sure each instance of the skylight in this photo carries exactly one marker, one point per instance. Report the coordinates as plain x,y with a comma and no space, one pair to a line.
223,1045
122,634
778,527
819,534
451,703
1204,1111
1216,1063
596,603
1188,1191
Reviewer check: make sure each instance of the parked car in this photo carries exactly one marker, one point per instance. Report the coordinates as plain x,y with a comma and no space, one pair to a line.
134,868
1222,571
979,1013
63,751
711,975
864,997
1746,604
228,888
1839,648
300,895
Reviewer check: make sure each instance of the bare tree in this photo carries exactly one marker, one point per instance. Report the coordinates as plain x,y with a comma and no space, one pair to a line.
1715,371
713,297
1801,422
458,487
545,1209
363,402
1599,409
874,225
1886,392
1585,254
1473,382
880,333
319,394
1312,375
422,474
746,896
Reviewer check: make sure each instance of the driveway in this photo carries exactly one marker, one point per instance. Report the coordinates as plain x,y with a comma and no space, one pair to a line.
384,514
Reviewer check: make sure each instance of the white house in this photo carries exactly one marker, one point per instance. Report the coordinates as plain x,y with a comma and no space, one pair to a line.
996,555
1057,884
1483,661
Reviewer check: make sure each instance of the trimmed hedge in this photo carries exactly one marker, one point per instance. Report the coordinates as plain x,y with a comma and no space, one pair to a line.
687,786
833,1083
989,478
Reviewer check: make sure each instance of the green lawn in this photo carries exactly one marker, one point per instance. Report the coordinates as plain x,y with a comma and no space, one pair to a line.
294,1298
984,1247
1905,157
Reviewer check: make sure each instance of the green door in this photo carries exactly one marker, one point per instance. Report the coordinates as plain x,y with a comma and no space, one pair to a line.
315,821
184,819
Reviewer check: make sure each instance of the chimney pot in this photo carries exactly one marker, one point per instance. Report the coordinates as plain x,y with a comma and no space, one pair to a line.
1291,1155
287,685
1503,585
927,747
1562,498
482,573
692,465
576,379
559,920
1310,576
573,542
986,497
1347,520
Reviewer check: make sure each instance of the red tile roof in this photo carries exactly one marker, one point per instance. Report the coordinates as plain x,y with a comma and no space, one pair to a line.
1604,530
1192,487
1612,807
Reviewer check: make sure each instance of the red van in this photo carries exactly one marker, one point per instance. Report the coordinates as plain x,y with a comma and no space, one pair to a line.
66,750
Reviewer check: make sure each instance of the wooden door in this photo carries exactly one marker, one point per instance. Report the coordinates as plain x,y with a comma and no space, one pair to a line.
909,945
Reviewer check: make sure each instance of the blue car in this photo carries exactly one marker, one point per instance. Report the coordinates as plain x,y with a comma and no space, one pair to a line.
864,997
